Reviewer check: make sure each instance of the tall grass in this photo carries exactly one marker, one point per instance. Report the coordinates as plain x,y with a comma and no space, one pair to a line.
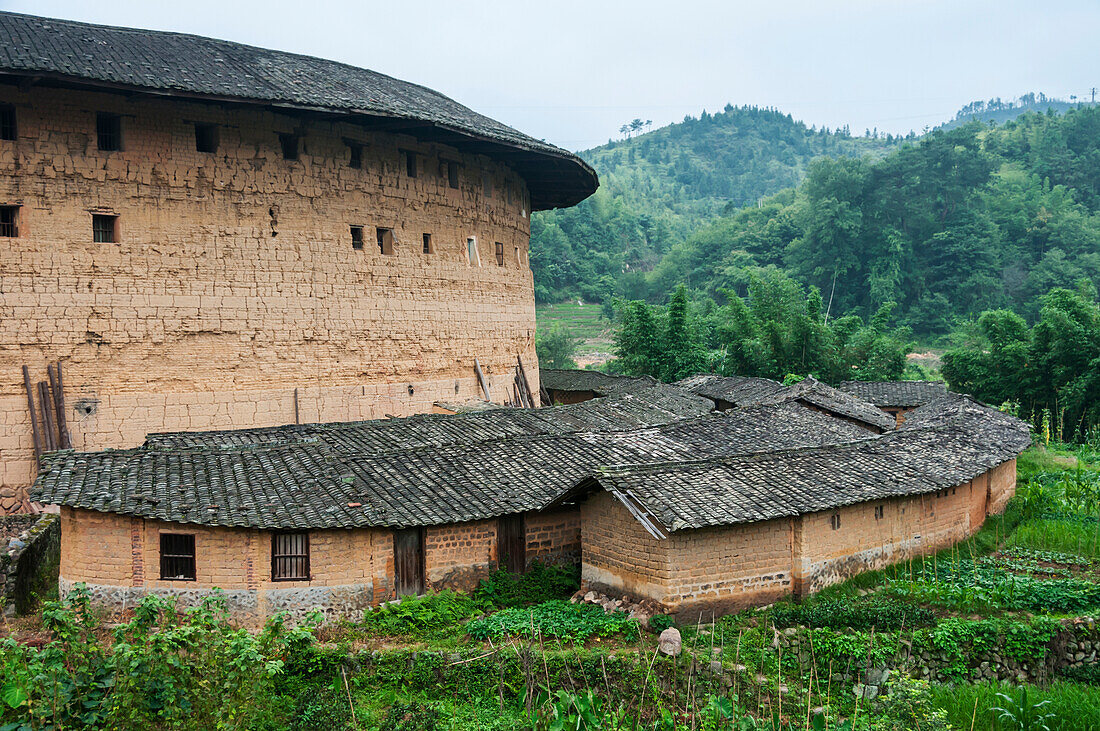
1063,536
1076,706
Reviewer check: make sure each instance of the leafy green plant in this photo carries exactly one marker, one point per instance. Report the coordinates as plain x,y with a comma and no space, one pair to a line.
573,622
436,612
1021,712
880,613
541,583
660,622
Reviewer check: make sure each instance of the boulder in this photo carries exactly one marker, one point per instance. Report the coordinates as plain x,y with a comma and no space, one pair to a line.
670,642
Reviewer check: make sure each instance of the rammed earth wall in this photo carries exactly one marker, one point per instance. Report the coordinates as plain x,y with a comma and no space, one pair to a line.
233,283
729,568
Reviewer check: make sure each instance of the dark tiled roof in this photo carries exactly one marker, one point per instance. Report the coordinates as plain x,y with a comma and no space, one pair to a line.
206,68
737,390
598,383
895,393
744,391
327,481
815,393
959,442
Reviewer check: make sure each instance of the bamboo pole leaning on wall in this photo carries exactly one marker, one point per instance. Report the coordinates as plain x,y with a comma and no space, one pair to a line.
46,402
38,446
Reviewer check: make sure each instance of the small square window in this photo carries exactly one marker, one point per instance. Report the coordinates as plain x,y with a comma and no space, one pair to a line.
452,174
835,521
290,557
7,122
499,250
177,556
427,243
879,512
108,129
104,228
357,237
385,240
9,222
410,163
289,145
206,137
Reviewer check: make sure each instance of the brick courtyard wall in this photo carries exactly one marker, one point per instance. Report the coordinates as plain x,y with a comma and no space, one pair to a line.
618,556
728,568
554,537
460,555
118,557
234,282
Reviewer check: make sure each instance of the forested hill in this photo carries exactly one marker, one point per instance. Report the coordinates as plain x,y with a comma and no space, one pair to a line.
996,111
659,187
961,221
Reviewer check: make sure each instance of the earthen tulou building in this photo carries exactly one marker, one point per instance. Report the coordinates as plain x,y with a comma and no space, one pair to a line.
209,235
236,277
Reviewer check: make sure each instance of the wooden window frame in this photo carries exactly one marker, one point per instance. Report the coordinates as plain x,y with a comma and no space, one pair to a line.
108,132
9,229
97,219
880,512
207,138
276,556
9,128
357,240
385,240
165,558
473,256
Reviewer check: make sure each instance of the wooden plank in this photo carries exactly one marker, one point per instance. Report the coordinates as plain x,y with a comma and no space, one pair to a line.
297,418
481,380
54,371
512,543
408,561
526,383
45,402
38,446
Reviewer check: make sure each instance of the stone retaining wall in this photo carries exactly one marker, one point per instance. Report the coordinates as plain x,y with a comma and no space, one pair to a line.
28,564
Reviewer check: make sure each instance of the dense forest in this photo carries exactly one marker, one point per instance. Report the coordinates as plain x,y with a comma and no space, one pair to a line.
658,188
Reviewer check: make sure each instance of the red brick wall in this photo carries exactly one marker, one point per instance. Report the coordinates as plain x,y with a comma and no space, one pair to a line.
459,555
554,537
727,568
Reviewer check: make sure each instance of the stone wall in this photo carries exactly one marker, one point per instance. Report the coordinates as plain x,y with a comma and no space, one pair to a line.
28,560
233,296
729,568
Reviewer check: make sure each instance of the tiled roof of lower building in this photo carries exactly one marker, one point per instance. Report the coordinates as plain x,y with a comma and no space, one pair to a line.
895,393
953,443
598,383
737,390
315,482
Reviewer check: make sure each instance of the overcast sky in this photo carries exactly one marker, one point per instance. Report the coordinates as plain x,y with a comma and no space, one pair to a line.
573,72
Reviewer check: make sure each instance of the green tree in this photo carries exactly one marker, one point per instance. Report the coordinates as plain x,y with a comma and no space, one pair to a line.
556,347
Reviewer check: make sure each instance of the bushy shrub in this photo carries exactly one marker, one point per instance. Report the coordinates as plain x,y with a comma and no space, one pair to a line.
163,669
560,619
541,583
1083,673
660,622
880,613
412,716
420,615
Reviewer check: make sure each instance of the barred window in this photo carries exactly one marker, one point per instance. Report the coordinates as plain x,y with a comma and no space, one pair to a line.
427,243
290,557
108,129
9,222
879,512
104,228
177,556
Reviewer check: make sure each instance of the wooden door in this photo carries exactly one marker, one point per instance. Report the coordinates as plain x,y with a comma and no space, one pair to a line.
408,561
512,544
